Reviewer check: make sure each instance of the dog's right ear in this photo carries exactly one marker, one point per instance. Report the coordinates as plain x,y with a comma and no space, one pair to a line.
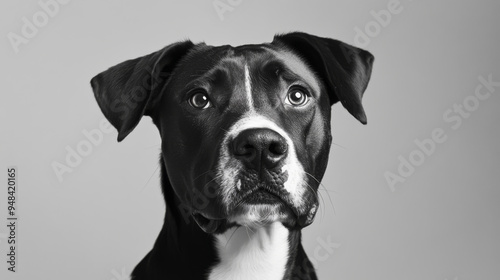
129,90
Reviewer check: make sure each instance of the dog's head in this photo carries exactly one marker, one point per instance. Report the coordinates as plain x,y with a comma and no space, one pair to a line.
245,130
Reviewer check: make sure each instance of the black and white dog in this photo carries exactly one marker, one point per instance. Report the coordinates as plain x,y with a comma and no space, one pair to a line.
245,141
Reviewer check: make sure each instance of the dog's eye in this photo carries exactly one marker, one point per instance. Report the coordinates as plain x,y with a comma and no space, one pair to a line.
297,97
199,100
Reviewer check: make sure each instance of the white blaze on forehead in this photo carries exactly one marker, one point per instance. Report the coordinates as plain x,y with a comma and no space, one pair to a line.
229,167
252,253
248,88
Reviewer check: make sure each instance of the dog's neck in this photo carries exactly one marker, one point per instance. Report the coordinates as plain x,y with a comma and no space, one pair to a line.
183,251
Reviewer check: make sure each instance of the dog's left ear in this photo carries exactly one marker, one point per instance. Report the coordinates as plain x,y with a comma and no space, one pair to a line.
344,69
129,90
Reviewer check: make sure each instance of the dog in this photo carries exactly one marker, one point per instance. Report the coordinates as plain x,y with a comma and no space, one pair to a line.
245,142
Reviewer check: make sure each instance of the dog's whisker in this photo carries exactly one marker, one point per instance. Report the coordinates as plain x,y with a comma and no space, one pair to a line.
147,182
340,146
238,204
218,174
261,221
215,178
203,173
314,178
265,219
320,195
321,198
247,228
324,187
231,236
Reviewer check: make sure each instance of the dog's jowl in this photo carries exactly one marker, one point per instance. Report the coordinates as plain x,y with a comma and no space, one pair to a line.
245,141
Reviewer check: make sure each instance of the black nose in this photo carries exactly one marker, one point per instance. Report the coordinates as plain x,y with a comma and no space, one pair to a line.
259,147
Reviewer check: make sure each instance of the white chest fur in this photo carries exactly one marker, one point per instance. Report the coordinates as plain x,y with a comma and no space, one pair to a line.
246,254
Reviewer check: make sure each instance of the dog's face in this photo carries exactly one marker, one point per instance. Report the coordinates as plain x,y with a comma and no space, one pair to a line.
232,128
245,130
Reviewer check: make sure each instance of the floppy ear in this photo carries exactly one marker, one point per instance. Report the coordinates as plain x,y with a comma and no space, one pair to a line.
129,90
344,69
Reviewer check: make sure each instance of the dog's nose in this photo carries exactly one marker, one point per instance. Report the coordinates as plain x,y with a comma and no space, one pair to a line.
260,146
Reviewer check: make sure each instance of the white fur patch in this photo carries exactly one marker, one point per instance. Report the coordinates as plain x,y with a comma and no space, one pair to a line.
248,88
229,167
246,253
258,215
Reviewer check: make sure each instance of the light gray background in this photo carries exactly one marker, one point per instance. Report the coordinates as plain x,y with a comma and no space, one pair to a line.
443,222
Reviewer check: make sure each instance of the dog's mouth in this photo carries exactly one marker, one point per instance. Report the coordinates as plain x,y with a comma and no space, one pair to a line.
254,209
260,196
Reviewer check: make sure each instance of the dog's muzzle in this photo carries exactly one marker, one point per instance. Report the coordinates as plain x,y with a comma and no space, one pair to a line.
260,181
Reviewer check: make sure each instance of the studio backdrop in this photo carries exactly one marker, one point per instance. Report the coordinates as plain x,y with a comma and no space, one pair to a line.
412,195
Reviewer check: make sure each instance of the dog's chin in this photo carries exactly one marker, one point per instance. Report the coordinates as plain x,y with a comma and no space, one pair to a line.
254,216
255,210
248,215
261,208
